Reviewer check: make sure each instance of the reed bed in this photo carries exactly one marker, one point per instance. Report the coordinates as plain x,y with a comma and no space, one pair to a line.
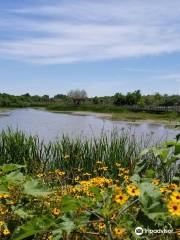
70,154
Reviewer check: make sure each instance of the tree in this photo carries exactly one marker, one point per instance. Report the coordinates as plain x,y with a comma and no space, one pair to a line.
95,100
119,99
77,93
45,98
77,96
60,96
133,98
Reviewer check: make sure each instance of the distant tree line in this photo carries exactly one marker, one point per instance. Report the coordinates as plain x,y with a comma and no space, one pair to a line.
7,100
136,98
79,96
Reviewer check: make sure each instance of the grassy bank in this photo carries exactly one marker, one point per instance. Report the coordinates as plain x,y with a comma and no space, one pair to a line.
118,113
157,117
2,110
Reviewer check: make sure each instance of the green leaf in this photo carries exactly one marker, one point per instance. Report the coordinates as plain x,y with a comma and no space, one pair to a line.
10,167
172,160
163,153
69,204
145,151
150,173
150,189
169,143
32,227
151,201
97,193
35,188
67,225
22,213
177,148
4,187
57,234
135,178
15,177
177,156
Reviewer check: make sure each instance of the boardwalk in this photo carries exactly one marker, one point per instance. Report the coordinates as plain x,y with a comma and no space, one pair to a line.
154,109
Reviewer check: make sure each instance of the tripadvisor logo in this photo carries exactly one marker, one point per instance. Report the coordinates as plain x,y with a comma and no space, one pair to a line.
138,231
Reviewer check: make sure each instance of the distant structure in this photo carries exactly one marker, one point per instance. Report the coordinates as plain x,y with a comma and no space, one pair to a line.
77,96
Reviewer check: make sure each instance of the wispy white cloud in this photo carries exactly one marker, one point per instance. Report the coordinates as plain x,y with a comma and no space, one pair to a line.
172,77
142,70
90,30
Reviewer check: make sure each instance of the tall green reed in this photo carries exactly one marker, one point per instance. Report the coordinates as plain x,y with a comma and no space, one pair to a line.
69,154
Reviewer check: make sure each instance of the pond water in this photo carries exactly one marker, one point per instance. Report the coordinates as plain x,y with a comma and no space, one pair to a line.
50,126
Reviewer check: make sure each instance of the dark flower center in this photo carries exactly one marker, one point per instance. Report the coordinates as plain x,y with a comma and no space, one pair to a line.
175,208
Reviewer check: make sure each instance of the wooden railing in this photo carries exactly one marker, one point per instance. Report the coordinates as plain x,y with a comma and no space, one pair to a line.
153,109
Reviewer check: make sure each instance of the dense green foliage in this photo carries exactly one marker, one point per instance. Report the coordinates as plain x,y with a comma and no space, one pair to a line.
134,98
7,100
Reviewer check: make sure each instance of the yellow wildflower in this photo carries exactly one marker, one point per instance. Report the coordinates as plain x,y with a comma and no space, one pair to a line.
103,168
2,223
101,225
155,181
175,196
121,198
50,237
6,232
174,208
4,195
77,178
113,216
164,189
118,165
56,212
59,172
126,178
126,171
86,174
40,174
121,169
99,162
120,174
172,186
118,189
66,156
133,190
119,232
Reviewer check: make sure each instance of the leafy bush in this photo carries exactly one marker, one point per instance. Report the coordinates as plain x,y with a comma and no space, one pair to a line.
89,190
46,207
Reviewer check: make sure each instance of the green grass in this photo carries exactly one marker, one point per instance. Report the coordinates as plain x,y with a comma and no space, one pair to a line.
2,110
101,108
135,116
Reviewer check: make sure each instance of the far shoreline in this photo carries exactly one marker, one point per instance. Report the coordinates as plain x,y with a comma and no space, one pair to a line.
120,117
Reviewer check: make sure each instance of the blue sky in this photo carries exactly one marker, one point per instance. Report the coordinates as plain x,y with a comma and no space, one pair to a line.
50,47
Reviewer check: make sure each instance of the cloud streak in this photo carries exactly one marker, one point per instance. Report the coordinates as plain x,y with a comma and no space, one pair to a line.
174,77
83,31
